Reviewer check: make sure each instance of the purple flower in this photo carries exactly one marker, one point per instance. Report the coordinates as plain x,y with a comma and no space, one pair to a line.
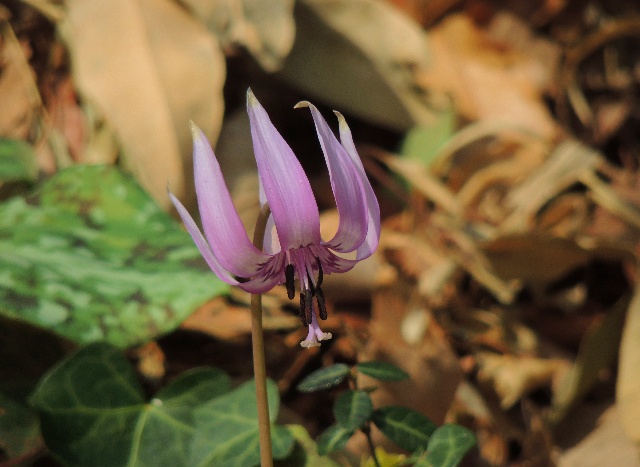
293,248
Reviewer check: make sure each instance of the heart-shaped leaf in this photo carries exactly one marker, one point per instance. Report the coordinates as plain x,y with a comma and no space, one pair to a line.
227,429
305,451
407,428
324,378
93,412
92,257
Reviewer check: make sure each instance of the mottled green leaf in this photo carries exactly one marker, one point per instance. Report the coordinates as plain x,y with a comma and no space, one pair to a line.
17,161
352,409
305,451
92,257
227,429
93,412
407,428
324,378
382,371
447,447
333,439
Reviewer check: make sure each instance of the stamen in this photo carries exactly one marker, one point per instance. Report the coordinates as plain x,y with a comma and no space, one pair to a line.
312,289
289,281
303,312
320,274
322,307
308,306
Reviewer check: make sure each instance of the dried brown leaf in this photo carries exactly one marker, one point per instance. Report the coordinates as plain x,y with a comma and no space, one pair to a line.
150,68
264,27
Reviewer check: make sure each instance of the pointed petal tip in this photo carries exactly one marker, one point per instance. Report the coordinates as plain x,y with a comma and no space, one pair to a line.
196,132
251,99
302,104
341,120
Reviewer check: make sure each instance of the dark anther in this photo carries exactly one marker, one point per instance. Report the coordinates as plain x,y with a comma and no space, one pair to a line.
291,286
322,307
303,312
319,283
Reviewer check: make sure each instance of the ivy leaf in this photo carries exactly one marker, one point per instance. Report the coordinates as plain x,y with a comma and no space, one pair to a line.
93,412
92,257
382,371
352,409
227,429
447,447
324,378
333,439
407,428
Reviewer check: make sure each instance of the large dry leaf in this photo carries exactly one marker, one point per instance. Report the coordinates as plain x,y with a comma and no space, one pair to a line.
492,77
628,384
361,56
264,27
19,98
150,67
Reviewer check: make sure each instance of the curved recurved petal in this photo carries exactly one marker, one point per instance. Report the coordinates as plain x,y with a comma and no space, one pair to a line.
222,226
347,187
373,208
285,184
201,243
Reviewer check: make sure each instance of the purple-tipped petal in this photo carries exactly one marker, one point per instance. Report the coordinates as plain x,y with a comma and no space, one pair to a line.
201,243
373,231
285,184
347,187
222,226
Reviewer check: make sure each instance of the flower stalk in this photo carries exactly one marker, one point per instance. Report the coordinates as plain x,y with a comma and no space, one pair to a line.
259,363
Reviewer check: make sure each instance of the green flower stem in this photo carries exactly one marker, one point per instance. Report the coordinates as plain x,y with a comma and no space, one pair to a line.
259,365
366,429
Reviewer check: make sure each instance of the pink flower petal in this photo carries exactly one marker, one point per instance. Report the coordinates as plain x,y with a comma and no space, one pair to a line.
373,230
285,184
347,187
222,226
201,243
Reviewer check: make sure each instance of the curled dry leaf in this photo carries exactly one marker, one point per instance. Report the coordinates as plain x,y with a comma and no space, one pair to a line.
361,56
150,68
513,377
264,27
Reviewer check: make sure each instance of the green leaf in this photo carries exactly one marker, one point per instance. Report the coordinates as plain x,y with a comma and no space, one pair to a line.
305,451
352,409
92,257
382,371
422,143
93,412
227,429
447,447
19,428
26,353
17,161
407,428
324,378
333,439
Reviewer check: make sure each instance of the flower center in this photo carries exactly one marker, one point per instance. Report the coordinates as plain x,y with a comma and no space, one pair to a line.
303,263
